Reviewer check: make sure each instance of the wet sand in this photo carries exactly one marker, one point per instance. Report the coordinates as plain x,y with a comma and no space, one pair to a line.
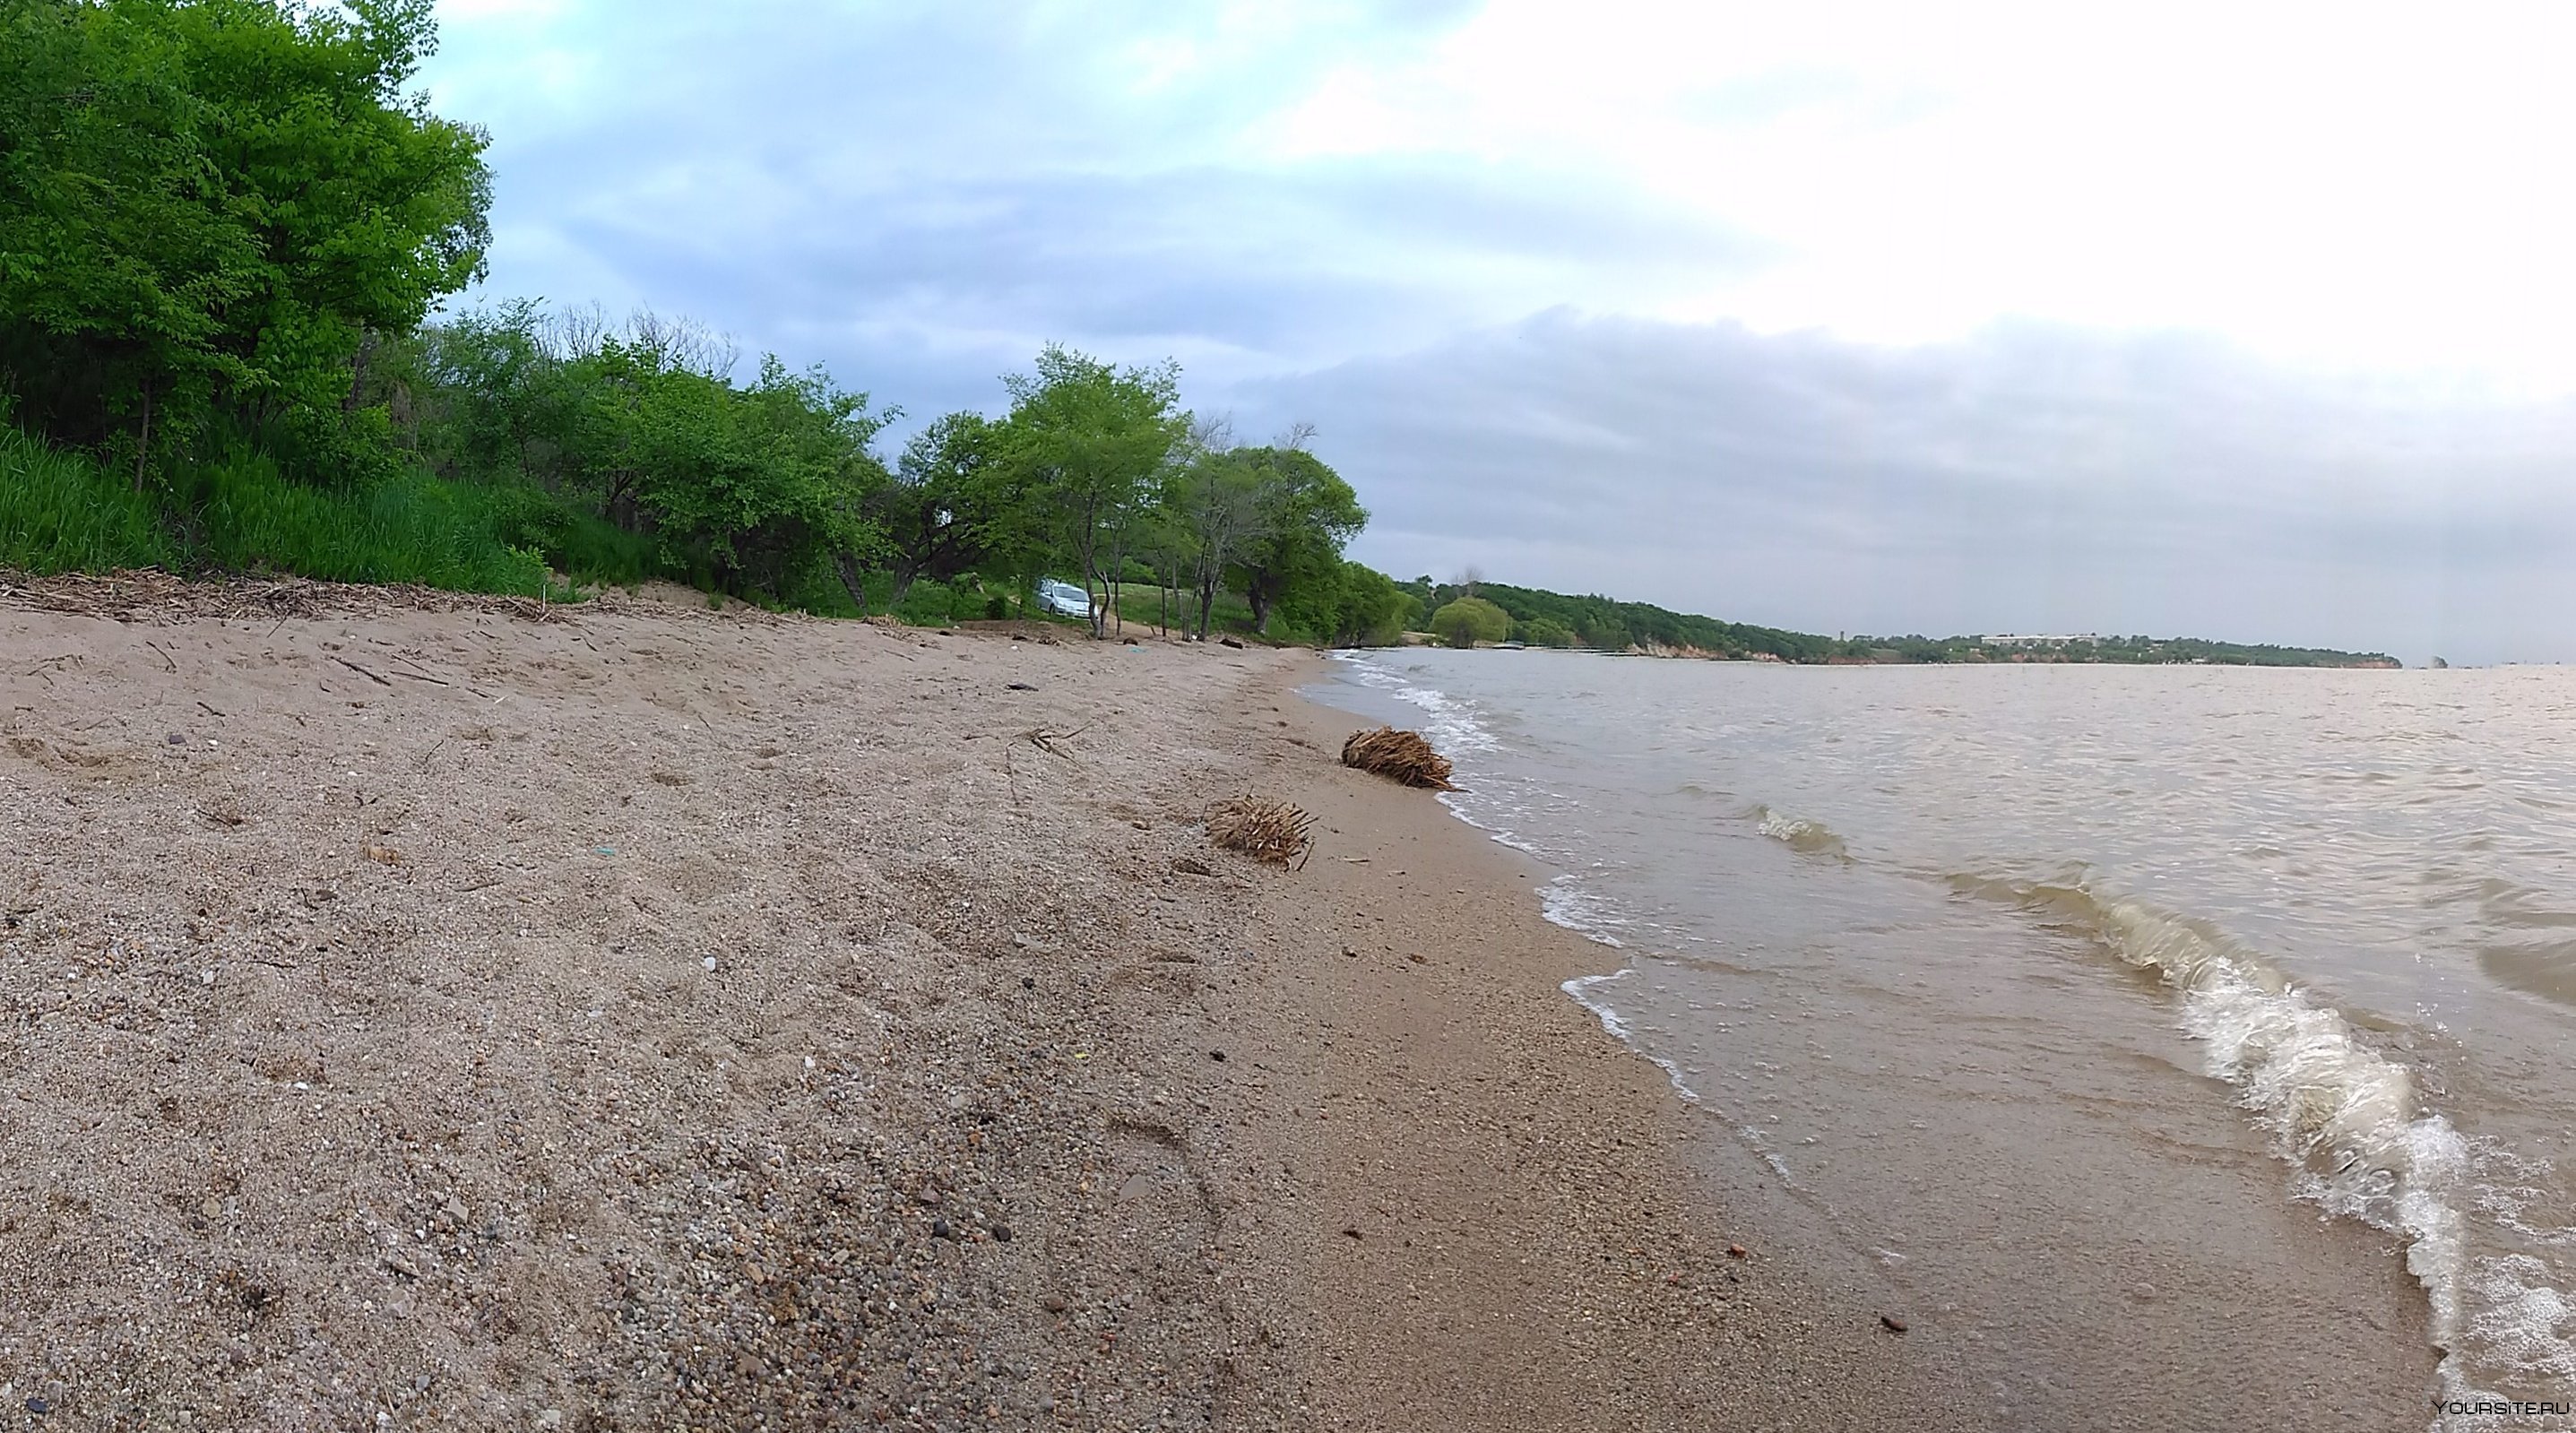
413,1014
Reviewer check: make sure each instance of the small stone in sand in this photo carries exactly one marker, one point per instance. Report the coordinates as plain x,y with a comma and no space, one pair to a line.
1736,1251
710,964
1002,1232
1217,1055
1892,1323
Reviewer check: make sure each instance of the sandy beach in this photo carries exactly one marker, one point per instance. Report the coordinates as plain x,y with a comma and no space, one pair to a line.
440,1013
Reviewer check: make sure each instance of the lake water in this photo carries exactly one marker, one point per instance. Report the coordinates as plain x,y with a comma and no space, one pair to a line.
2175,1034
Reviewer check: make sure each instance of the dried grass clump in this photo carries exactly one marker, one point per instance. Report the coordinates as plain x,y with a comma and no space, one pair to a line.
1401,755
1272,831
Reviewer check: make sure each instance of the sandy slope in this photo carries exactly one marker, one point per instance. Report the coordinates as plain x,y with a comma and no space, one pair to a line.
648,1018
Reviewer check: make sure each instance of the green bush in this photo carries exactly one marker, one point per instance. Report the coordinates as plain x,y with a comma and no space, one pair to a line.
1540,632
1470,620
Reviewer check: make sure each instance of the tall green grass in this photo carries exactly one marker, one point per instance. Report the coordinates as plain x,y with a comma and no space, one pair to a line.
408,528
60,512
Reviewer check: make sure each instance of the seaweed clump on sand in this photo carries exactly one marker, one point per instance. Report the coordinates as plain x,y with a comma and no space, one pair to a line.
1272,831
1398,755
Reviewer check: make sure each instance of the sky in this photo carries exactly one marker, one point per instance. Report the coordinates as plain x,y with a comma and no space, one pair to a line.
2232,321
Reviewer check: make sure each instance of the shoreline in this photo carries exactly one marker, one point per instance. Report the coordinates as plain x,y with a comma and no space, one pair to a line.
2349,1325
1580,1227
649,1017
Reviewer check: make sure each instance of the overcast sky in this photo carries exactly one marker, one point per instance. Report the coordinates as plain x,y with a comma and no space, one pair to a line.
1856,318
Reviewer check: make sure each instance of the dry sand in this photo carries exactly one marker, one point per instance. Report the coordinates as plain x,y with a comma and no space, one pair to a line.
413,1014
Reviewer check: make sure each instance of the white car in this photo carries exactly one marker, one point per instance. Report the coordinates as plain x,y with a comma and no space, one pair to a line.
1064,599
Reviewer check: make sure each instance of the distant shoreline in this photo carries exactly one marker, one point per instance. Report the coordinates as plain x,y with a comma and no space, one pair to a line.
1540,618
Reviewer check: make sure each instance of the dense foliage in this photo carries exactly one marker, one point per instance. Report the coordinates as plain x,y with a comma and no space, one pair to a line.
207,209
759,490
224,229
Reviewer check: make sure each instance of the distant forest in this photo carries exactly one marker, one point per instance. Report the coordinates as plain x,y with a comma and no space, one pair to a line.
1553,619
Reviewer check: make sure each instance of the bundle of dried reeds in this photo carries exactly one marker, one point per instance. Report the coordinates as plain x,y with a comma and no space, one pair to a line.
1272,831
1401,755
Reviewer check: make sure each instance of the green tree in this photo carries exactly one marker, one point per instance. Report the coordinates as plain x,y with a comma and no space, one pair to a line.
1085,442
937,511
207,208
1353,606
1466,621
1307,514
1216,500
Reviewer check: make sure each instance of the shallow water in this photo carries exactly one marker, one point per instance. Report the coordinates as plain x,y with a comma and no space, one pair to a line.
2076,998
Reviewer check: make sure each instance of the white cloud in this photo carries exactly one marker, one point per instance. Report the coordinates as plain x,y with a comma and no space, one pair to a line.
2340,184
2297,273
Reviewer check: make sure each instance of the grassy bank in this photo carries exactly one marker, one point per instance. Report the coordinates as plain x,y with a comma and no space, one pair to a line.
63,512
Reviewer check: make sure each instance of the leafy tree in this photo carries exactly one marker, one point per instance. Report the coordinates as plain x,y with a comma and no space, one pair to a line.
1354,606
1307,514
1218,509
1084,441
206,209
1466,621
937,513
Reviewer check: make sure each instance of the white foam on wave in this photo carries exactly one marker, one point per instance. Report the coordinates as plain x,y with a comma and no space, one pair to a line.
2367,1146
1583,989
1565,901
1811,838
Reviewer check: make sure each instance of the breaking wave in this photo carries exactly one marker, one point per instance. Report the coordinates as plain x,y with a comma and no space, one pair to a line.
1807,838
2353,1121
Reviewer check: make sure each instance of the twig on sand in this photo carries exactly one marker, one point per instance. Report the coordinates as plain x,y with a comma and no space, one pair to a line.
361,671
1045,740
420,676
166,659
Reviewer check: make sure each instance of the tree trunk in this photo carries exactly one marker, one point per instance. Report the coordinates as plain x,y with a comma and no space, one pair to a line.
851,580
143,446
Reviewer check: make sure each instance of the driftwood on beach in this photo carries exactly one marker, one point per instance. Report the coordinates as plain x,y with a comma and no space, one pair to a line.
1399,755
1272,831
